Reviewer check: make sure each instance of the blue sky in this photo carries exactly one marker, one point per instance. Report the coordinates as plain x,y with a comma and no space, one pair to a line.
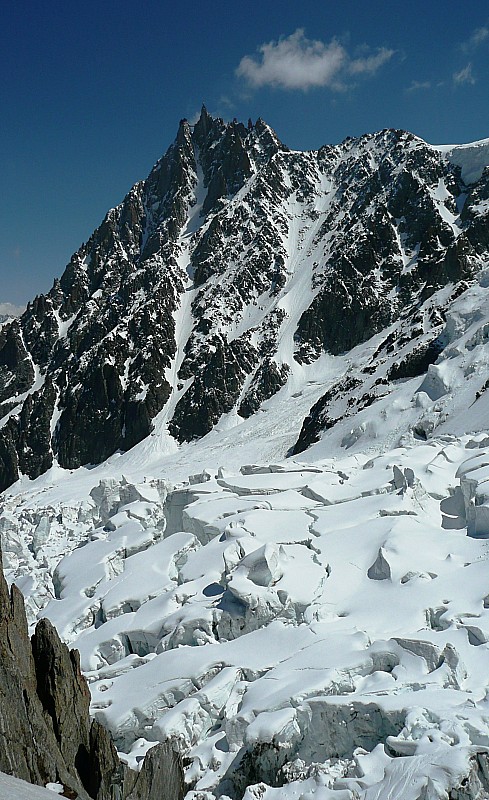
92,93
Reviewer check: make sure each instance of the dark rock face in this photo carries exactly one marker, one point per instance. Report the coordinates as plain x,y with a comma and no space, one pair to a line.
29,748
215,389
9,460
346,311
161,777
321,417
64,695
231,246
267,380
33,431
417,362
46,733
473,217
16,370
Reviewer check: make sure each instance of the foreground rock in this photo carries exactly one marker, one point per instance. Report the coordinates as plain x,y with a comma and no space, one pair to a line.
46,735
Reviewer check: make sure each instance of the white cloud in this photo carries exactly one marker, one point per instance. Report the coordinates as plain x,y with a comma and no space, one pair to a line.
464,76
479,35
226,101
370,64
295,62
417,86
11,310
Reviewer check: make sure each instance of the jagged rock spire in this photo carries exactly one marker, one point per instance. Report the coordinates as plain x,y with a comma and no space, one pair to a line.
183,135
204,123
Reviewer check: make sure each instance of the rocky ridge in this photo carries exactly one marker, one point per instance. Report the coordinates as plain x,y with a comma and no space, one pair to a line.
234,265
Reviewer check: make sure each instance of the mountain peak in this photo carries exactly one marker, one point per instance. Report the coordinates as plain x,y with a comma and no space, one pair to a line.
291,255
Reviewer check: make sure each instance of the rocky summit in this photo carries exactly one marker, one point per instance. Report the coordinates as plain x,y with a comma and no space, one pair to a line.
233,266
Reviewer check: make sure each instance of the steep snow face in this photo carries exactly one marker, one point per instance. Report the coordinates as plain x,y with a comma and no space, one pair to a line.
434,383
222,277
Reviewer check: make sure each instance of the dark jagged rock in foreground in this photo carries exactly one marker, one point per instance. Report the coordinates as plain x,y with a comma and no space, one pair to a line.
46,734
233,264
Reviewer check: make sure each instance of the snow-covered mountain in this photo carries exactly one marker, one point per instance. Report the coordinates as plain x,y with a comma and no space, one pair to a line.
245,458
235,265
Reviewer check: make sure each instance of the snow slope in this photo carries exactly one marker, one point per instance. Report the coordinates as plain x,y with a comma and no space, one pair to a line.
14,789
472,158
318,622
